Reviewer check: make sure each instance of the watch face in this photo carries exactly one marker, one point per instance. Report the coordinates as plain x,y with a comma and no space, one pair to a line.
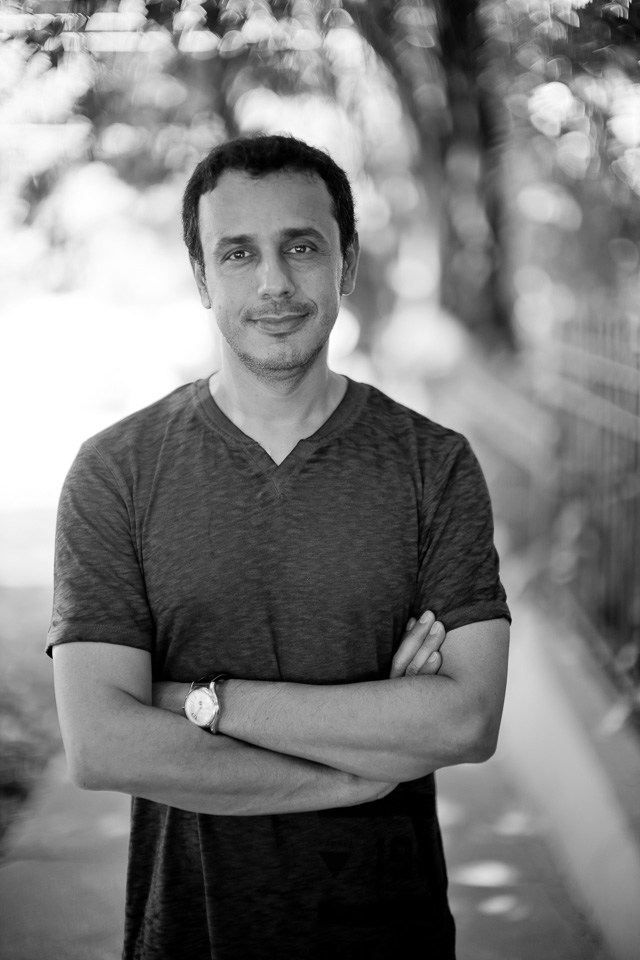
200,708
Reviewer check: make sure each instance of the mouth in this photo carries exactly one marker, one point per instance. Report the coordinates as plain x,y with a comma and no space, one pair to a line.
280,325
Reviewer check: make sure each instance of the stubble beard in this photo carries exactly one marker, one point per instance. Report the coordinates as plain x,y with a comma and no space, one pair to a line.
273,369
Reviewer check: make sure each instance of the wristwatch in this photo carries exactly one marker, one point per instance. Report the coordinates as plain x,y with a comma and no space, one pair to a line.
201,704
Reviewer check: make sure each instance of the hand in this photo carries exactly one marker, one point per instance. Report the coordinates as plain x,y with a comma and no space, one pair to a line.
168,695
419,650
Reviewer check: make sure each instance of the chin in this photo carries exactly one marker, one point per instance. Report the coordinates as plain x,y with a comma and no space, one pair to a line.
276,367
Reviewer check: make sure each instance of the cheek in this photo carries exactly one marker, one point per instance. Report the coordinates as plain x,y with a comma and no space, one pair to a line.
227,300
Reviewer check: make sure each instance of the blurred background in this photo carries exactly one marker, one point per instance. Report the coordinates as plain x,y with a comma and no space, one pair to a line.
494,149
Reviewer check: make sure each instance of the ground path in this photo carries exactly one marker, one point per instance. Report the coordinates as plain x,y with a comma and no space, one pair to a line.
62,882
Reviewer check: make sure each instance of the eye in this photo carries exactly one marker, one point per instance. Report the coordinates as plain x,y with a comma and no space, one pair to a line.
300,248
237,255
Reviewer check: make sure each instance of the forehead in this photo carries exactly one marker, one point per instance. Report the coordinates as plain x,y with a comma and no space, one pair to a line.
265,205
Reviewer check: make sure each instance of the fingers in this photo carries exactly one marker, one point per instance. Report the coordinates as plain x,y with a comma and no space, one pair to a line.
428,659
411,642
423,638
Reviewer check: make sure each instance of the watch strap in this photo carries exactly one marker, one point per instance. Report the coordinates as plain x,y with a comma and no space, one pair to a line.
213,727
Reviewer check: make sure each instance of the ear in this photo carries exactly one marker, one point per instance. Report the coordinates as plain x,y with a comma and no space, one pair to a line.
201,283
350,267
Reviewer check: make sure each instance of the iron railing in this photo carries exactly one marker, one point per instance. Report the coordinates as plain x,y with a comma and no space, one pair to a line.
558,434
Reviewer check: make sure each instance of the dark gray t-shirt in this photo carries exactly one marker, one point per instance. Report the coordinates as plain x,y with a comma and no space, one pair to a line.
179,535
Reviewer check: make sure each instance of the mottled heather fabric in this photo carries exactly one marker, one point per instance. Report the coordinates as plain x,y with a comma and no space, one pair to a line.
178,534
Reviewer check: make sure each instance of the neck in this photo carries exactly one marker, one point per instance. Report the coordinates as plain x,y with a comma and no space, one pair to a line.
292,406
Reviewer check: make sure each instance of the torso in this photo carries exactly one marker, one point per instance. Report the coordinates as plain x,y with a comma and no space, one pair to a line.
302,571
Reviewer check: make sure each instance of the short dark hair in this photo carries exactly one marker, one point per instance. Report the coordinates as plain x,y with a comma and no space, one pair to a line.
259,155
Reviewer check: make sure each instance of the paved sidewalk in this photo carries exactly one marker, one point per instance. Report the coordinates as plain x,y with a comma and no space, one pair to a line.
62,883
506,893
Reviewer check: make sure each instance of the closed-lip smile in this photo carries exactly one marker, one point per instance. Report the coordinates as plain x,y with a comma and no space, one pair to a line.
280,324
280,317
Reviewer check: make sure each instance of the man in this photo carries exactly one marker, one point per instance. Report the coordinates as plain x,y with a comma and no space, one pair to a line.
298,534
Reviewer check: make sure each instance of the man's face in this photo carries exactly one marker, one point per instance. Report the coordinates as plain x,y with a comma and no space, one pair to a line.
274,271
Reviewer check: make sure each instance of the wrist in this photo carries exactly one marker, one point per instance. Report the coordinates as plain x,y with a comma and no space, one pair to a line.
169,695
228,700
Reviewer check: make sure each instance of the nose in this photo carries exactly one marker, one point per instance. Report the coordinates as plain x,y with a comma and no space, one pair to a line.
274,278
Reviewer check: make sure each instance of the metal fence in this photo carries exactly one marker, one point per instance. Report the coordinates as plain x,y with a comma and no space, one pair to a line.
592,387
559,437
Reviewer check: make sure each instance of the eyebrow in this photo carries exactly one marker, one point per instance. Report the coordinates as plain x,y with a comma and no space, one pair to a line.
241,239
291,233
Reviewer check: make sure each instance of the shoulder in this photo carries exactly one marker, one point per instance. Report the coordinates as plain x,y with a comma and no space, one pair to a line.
142,432
130,448
399,428
149,422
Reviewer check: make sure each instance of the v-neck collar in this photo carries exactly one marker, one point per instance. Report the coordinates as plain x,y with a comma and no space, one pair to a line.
348,408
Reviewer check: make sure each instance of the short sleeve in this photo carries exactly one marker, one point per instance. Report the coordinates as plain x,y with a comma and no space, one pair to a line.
459,577
99,591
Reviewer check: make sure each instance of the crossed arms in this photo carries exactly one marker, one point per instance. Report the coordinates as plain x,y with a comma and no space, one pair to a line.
285,747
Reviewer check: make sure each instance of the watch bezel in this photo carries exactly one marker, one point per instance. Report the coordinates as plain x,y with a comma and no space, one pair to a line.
213,700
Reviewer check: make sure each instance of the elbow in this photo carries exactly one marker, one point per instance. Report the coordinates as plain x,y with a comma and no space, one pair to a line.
82,775
86,770
482,740
84,779
471,739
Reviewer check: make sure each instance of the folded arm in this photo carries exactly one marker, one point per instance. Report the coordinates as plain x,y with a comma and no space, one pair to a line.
397,729
116,740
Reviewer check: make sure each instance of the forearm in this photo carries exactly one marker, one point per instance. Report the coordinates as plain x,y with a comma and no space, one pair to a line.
391,730
153,754
397,729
